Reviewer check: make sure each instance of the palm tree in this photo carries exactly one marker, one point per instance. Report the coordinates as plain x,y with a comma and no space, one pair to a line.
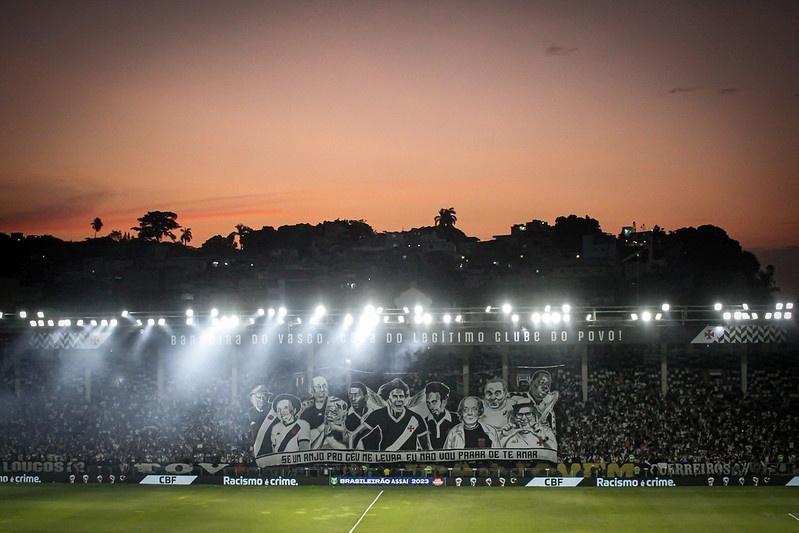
446,217
185,236
241,231
96,225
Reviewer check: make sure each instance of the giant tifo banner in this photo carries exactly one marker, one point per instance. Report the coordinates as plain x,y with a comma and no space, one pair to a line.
397,425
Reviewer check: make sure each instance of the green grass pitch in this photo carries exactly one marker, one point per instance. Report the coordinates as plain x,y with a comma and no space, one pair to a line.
321,509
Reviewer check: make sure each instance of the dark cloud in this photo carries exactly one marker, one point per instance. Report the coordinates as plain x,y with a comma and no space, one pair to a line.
729,90
557,50
675,90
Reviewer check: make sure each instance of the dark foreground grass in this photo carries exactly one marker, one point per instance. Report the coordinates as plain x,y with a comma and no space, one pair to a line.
322,509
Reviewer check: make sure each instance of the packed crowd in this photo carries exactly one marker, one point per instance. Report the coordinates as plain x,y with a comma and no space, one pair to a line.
702,418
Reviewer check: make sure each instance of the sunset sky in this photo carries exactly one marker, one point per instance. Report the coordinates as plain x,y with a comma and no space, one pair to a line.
677,114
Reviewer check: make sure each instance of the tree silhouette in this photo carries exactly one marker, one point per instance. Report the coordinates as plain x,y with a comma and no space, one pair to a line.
96,225
241,231
185,236
155,225
446,217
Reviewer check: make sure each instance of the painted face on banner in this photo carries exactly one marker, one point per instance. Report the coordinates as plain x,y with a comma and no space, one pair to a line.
357,399
524,417
258,399
319,385
471,411
434,403
540,386
285,411
396,398
335,413
495,394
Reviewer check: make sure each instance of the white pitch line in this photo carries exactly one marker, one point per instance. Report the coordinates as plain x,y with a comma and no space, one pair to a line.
789,514
366,511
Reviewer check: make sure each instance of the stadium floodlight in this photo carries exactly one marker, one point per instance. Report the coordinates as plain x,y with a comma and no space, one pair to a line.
633,316
737,315
1,315
646,316
320,311
745,307
745,315
447,318
33,323
189,321
282,312
406,310
347,361
401,319
379,310
417,309
124,313
589,317
665,308
658,316
80,322
40,323
787,315
755,316
507,308
567,318
547,318
189,313
93,323
151,322
768,316
113,322
789,306
458,318
161,322
50,323
23,314
252,321
514,318
779,306
727,315
40,314
214,312
778,315
386,319
260,311
555,317
417,319
488,309
348,320
717,306
547,308
566,308
535,318
104,322
270,312
428,319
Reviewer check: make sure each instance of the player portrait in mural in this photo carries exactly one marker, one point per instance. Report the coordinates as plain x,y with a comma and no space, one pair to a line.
395,418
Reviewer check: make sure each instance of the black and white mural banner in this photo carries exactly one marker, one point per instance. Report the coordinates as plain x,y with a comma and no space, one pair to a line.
396,425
